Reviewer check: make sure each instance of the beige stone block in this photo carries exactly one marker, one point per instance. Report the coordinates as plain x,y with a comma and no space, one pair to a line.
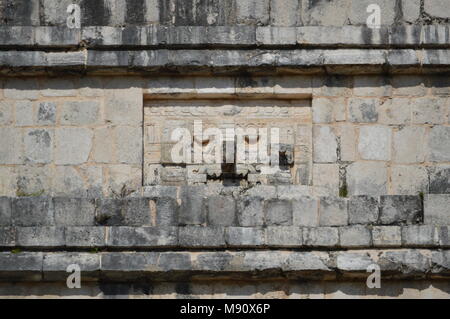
11,150
395,111
371,86
409,85
326,178
58,88
409,180
129,144
21,89
8,179
348,136
409,144
429,110
6,112
124,179
73,145
103,146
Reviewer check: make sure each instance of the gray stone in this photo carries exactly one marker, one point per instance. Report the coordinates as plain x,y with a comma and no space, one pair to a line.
429,110
244,236
437,8
363,110
166,212
355,237
109,212
333,211
5,211
128,262
325,144
7,236
137,212
375,143
284,13
24,113
218,261
58,88
221,211
6,111
80,112
85,237
439,144
284,236
306,261
38,146
367,178
142,237
386,236
129,145
443,233
74,211
409,145
440,180
67,181
321,237
55,265
73,145
363,210
26,266
411,10
198,236
253,12
324,13
305,212
419,236
192,210
33,180
400,210
353,261
250,211
46,114
32,211
409,180
437,209
11,141
21,89
40,237
175,261
278,213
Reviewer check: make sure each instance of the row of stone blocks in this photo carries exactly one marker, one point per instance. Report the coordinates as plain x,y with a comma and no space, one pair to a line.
238,36
195,208
198,237
247,265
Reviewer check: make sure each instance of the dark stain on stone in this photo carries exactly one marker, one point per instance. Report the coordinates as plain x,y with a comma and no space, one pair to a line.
183,288
135,13
440,182
17,12
94,13
113,289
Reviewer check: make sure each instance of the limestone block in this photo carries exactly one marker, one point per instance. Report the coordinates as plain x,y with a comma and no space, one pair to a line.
68,181
250,211
375,143
38,145
305,212
24,113
42,237
21,89
395,111
363,110
409,145
85,237
429,110
440,179
244,236
358,11
80,112
103,150
73,145
411,10
355,236
197,236
33,180
221,211
6,111
284,13
437,8
400,209
325,144
253,12
11,142
387,236
367,178
58,88
32,211
409,180
363,210
334,13
74,211
333,211
278,212
439,144
373,86
419,236
326,178
437,209
321,237
46,113
5,211
408,85
129,144
284,236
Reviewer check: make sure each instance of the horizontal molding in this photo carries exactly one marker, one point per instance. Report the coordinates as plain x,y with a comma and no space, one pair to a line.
249,265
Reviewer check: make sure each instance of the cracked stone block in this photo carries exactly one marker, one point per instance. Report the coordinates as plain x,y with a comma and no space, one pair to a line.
333,211
400,209
278,212
363,210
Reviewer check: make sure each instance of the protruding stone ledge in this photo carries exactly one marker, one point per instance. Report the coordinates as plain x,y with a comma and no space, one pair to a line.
239,36
122,238
249,265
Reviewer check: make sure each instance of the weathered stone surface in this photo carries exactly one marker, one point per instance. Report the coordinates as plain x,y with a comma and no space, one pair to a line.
38,146
333,211
32,181
363,210
439,144
429,110
387,236
409,145
440,180
409,180
68,181
24,113
278,213
325,144
244,236
375,143
324,13
321,237
305,212
197,236
5,211
192,210
284,236
46,114
221,211
400,210
85,237
73,145
437,8
40,237
6,111
363,110
25,266
437,209
250,211
353,261
253,12
367,178
284,13
11,141
32,211
419,236
74,211
80,112
142,237
355,236
21,89
166,212
55,265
